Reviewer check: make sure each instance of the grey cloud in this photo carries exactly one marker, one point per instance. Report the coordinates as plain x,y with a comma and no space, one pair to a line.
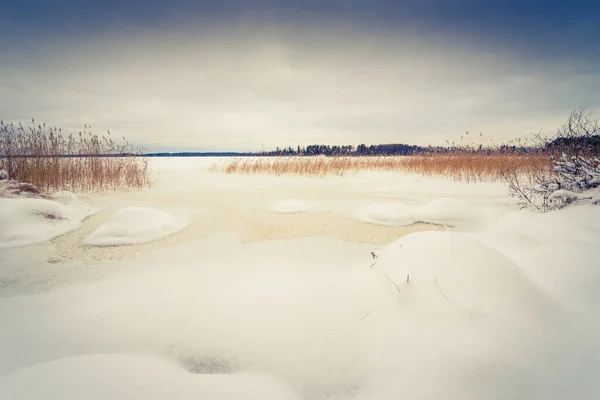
278,86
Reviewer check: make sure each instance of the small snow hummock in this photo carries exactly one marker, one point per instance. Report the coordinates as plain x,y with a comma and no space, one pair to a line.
133,225
290,206
448,211
26,221
387,214
443,211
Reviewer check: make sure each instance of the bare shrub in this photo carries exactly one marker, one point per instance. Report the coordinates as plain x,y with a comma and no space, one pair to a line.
51,160
575,175
578,136
573,180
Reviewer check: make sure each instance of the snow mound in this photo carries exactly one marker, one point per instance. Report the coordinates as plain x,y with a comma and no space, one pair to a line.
135,225
26,221
14,189
444,211
452,268
388,214
447,211
290,206
123,376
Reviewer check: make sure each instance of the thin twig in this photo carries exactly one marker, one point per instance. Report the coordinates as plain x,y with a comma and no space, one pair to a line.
440,289
383,273
369,313
388,278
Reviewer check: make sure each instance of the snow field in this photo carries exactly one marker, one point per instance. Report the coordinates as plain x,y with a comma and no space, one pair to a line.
501,309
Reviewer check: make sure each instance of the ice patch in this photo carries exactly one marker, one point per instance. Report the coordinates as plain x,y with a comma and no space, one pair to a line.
135,225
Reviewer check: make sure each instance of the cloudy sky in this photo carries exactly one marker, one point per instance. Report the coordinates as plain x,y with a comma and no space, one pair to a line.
246,75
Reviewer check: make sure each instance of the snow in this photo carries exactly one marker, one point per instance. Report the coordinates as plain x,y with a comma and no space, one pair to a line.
135,225
449,211
290,206
249,302
387,214
450,264
26,221
120,376
443,211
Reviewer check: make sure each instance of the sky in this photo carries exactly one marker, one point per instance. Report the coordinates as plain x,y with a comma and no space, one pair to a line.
244,75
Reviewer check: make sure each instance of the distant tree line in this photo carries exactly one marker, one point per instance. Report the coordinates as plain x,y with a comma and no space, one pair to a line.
591,143
344,150
391,149
200,154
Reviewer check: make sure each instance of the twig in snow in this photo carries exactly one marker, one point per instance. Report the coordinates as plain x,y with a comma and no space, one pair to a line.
383,273
369,313
389,279
440,289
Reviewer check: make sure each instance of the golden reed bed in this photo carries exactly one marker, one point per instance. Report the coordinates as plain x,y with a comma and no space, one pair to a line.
36,154
459,167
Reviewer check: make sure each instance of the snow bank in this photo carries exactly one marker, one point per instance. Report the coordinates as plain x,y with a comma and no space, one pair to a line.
135,225
444,211
121,376
454,268
27,221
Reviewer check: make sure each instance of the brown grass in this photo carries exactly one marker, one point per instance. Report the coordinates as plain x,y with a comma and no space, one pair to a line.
463,167
51,160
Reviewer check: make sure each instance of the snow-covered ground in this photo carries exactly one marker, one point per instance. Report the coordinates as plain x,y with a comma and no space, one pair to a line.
32,220
259,287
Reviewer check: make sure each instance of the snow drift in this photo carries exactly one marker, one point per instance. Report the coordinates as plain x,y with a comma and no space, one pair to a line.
26,221
135,225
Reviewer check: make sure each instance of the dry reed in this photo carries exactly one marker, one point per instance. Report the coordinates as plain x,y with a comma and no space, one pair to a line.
51,160
462,167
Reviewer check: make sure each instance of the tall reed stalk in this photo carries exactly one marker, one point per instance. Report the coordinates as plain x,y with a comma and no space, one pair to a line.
52,160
